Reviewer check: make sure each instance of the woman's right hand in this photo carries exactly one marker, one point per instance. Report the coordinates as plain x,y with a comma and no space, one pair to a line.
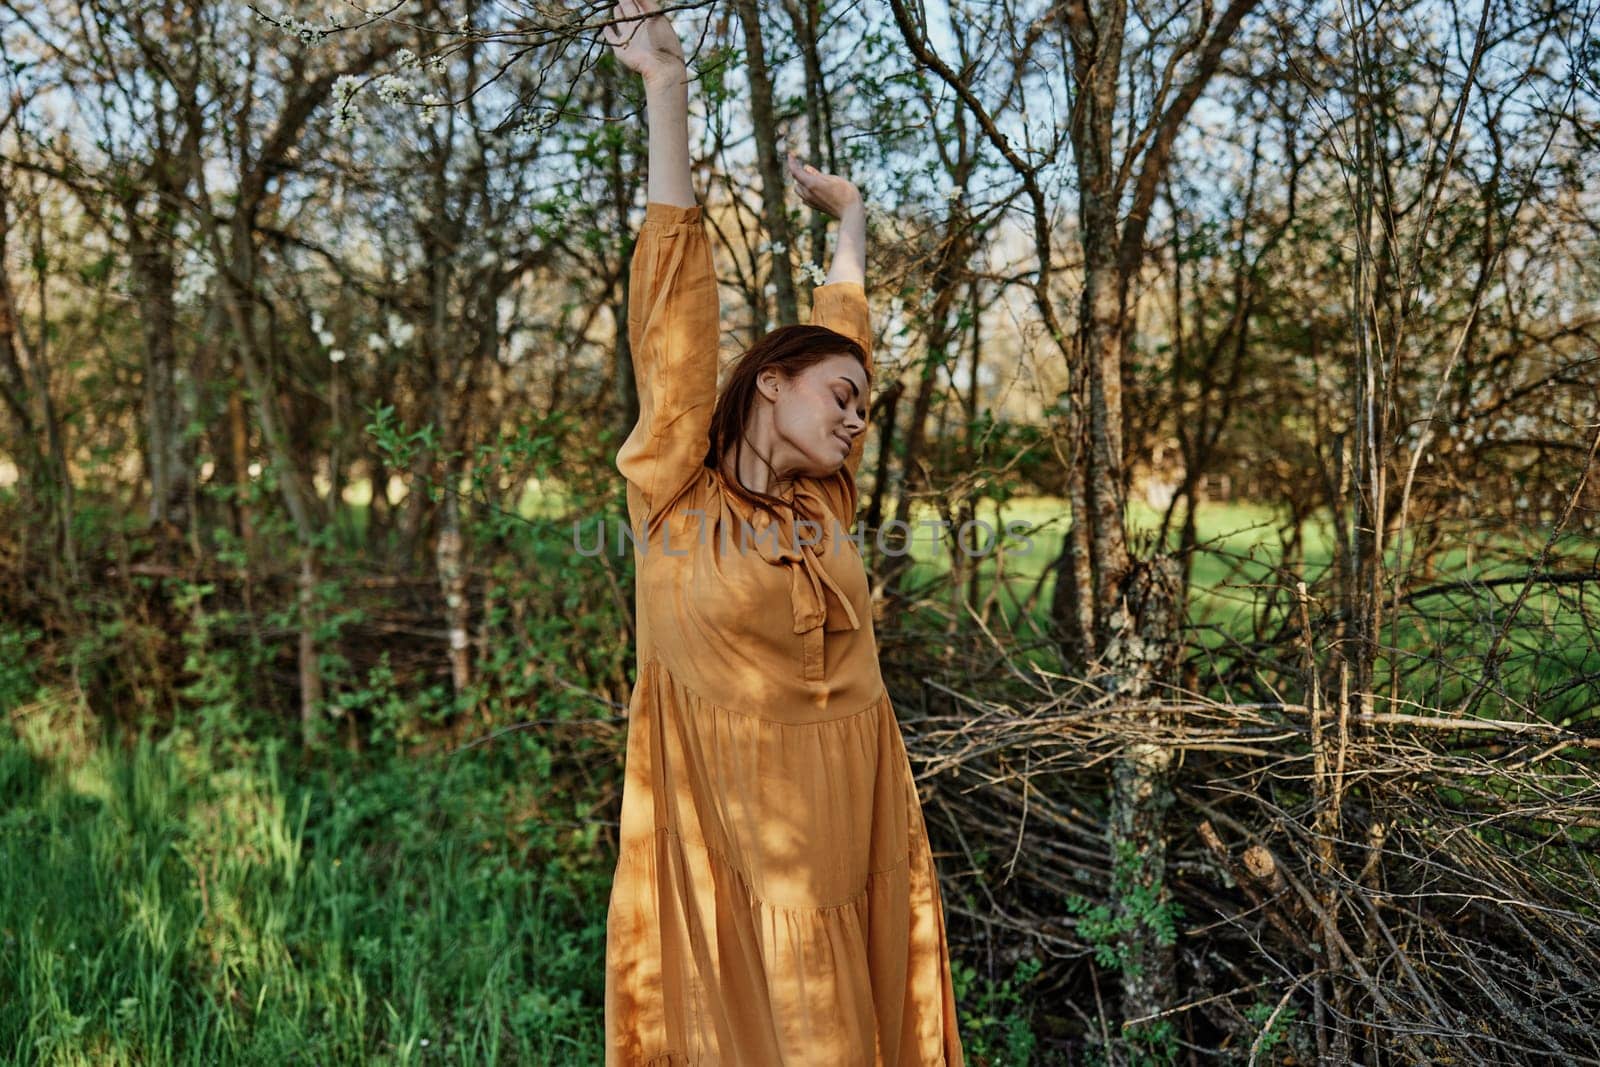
646,45
828,193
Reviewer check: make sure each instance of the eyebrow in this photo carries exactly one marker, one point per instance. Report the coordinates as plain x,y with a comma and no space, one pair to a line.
855,390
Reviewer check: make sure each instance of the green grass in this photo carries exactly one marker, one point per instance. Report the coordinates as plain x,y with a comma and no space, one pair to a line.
160,906
1242,543
1242,550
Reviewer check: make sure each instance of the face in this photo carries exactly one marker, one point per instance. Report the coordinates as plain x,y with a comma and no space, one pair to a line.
817,414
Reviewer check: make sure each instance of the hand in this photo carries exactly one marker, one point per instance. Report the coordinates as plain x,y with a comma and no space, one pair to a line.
646,45
827,193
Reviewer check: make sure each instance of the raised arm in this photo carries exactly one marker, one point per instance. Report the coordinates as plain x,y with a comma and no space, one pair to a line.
841,302
673,319
836,196
645,42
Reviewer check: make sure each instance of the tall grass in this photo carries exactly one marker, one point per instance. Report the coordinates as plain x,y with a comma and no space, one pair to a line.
161,905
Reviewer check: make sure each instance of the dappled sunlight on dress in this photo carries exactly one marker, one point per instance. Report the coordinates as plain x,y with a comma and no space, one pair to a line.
775,901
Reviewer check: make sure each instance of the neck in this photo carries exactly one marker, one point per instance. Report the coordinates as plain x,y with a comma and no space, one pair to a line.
755,469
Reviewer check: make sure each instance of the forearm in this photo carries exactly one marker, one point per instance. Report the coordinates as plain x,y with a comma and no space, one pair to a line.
850,253
667,108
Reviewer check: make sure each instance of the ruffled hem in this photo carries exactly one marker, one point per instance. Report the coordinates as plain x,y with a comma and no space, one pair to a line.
699,964
775,900
755,901
655,672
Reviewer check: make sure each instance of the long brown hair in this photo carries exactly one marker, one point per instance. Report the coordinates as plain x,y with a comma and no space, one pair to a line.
791,349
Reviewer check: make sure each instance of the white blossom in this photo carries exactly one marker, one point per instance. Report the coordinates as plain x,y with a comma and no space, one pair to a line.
535,122
336,355
400,331
817,275
395,88
307,31
345,113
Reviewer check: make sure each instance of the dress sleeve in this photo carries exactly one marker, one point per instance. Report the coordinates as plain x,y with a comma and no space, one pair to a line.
842,307
674,326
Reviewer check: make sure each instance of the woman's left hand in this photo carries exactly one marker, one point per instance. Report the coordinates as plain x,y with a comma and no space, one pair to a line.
828,193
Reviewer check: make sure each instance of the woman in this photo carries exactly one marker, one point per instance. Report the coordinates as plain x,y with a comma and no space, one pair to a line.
775,900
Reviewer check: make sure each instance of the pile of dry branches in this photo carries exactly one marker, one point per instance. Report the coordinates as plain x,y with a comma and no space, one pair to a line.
1378,887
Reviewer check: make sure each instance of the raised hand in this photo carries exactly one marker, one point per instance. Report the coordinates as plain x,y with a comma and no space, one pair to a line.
827,193
645,42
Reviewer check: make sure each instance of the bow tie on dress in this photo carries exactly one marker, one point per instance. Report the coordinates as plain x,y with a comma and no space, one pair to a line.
817,600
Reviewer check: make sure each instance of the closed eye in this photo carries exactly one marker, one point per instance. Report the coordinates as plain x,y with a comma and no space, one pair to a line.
855,390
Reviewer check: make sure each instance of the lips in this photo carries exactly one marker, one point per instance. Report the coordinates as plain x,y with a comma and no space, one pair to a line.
845,440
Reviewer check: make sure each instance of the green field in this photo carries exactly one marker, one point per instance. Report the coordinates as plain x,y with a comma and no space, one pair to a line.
1240,559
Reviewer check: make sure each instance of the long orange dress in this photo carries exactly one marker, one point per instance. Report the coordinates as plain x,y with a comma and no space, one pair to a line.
774,900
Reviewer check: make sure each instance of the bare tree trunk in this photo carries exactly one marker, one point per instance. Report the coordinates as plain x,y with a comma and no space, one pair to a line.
1142,649
237,287
768,161
25,385
16,388
381,521
804,18
294,498
625,390
941,332
1072,600
13,377
443,236
238,452
64,560
1136,608
886,420
970,409
238,258
169,457
912,480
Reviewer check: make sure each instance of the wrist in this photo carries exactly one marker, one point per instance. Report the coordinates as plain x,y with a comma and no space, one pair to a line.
667,79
